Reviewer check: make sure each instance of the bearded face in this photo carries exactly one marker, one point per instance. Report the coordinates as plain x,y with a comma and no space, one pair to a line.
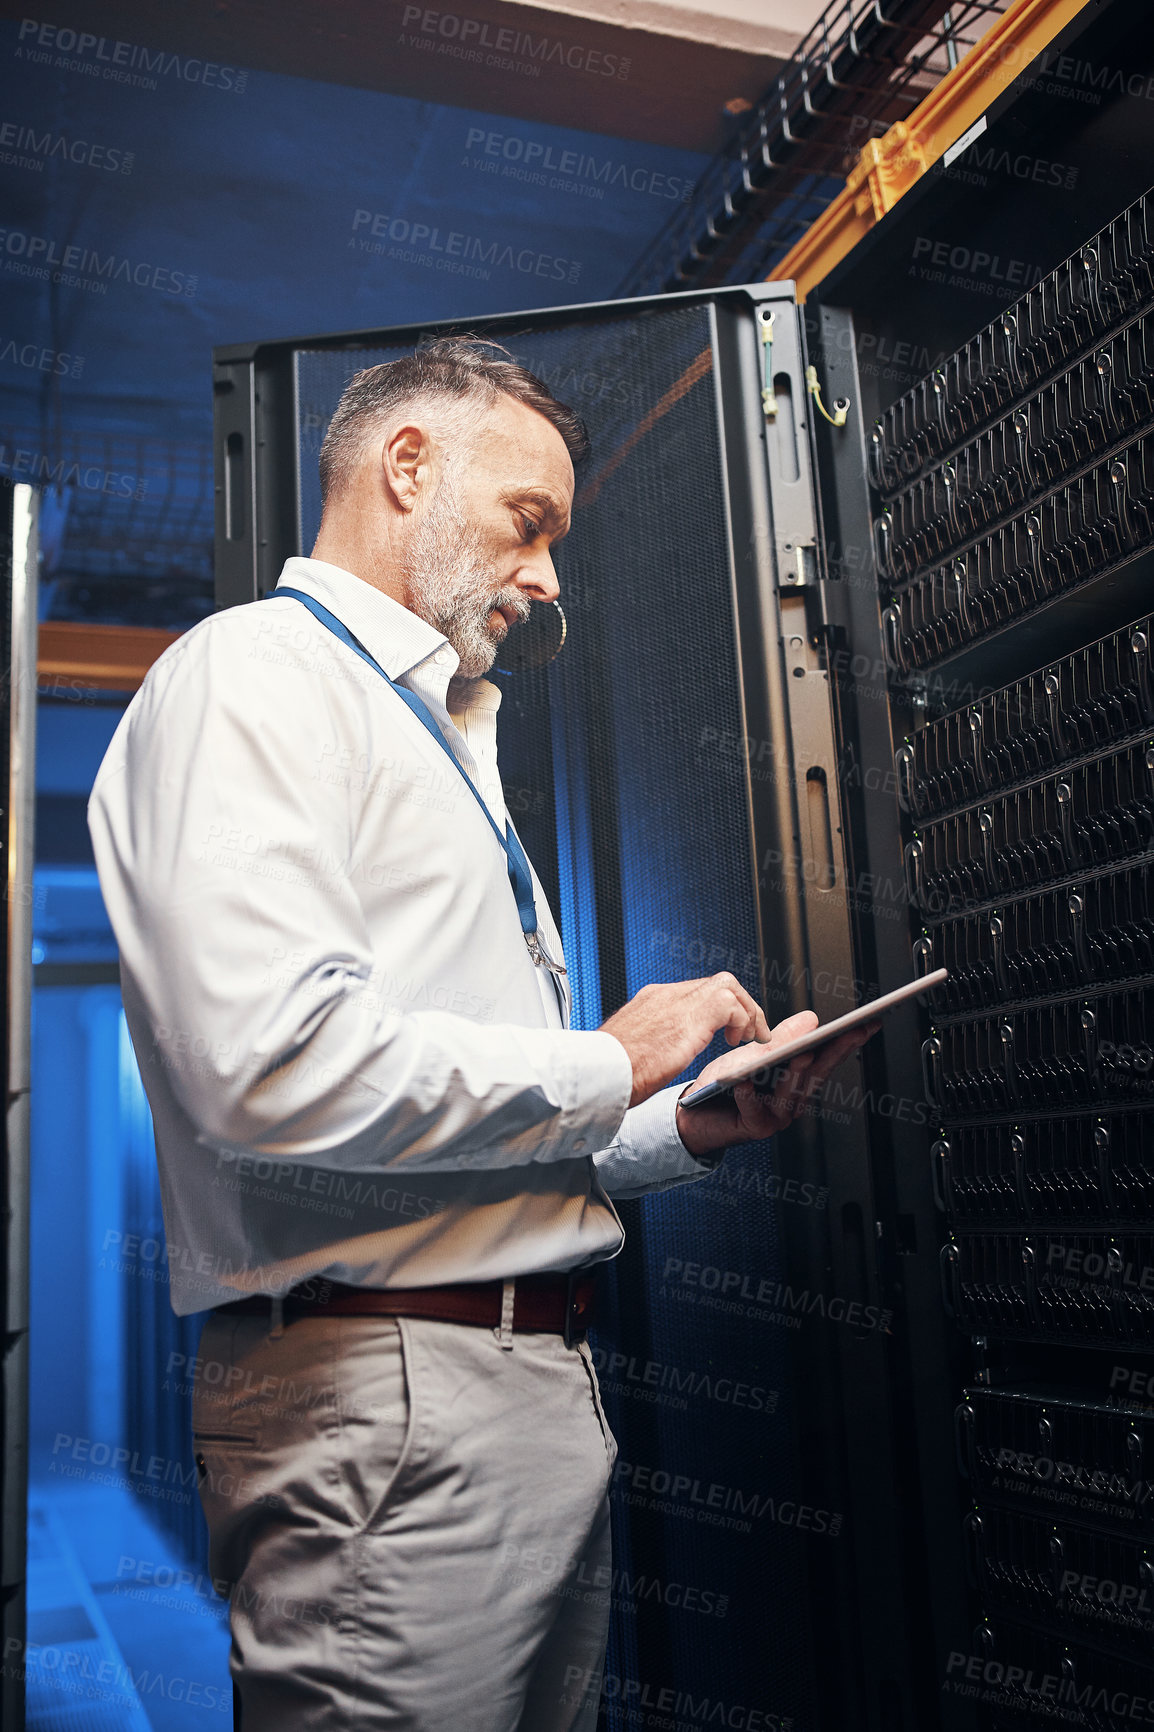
452,581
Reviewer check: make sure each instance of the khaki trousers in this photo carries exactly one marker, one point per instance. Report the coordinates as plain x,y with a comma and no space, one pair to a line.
411,1522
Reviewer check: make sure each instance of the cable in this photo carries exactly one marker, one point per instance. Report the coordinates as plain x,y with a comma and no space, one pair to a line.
768,399
841,404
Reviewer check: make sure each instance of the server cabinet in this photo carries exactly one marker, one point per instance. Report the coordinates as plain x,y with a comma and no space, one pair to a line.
679,779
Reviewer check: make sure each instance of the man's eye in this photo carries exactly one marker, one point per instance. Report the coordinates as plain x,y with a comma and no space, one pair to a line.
529,529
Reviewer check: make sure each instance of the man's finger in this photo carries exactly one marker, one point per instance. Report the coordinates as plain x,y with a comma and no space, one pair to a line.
796,1088
791,1026
840,1049
752,1024
740,1026
761,1114
836,1054
775,1105
774,1074
770,1107
801,1022
789,1096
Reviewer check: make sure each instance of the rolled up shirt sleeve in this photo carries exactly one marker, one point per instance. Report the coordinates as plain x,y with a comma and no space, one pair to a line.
300,1059
647,1154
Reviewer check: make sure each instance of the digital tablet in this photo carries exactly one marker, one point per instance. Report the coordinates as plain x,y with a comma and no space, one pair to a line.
765,1064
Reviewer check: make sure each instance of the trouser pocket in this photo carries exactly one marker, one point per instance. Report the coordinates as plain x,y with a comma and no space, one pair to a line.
595,1393
376,1411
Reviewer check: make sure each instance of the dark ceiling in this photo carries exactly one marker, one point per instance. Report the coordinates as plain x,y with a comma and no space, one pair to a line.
492,55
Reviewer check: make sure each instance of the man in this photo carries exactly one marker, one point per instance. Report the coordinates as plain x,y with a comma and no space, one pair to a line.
383,1152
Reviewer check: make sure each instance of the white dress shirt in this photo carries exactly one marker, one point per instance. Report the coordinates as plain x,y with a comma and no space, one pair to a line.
354,1067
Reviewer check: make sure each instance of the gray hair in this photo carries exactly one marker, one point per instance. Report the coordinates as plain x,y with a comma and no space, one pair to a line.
463,373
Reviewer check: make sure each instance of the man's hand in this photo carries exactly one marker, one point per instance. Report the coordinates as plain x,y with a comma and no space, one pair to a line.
746,1115
663,1028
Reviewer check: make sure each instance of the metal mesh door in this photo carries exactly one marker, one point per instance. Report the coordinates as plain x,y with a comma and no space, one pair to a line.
623,766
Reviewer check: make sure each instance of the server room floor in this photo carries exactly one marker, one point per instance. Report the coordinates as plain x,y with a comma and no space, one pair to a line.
120,1640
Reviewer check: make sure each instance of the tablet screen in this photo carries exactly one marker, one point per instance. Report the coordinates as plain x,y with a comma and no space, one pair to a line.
762,1065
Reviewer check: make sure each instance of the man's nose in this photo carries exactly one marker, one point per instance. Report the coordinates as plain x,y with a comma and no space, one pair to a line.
538,578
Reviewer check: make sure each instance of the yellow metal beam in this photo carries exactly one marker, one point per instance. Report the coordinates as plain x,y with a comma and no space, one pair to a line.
890,165
97,657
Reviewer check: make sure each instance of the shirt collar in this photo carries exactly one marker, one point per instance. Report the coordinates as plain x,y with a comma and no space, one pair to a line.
396,637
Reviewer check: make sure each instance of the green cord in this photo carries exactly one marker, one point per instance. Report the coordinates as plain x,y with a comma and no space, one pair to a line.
840,408
768,395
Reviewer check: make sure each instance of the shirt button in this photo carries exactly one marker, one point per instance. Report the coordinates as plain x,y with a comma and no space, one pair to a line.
441,656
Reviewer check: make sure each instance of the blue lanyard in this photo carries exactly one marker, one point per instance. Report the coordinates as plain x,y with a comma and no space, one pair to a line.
520,877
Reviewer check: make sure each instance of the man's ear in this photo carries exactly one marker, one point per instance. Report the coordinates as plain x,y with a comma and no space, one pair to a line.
407,463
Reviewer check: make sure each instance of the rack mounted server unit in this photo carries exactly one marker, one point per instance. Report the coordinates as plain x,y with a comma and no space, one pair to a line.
839,704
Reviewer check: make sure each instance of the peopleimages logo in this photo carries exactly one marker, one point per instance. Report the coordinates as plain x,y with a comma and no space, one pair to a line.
514,157
453,250
475,40
21,463
639,1703
971,266
39,359
83,267
619,1371
119,62
1052,1695
83,1675
27,147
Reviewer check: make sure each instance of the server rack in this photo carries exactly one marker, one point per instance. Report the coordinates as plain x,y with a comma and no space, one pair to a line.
1001,490
842,702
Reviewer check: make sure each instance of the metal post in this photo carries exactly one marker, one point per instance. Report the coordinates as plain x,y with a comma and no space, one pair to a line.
19,747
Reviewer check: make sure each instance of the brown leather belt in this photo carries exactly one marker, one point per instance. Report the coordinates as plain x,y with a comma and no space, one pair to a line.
559,1304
